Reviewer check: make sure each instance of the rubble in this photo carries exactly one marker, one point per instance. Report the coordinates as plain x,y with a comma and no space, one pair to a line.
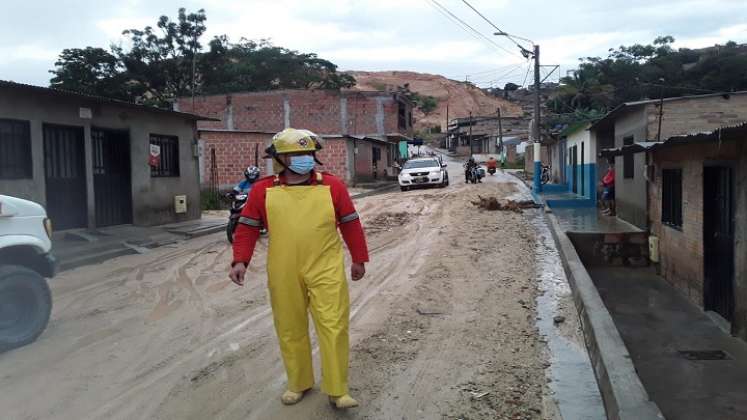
493,204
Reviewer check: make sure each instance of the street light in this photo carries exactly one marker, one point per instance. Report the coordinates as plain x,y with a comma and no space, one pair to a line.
536,129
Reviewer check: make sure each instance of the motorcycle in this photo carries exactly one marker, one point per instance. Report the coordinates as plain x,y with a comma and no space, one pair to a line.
238,201
491,171
475,174
545,177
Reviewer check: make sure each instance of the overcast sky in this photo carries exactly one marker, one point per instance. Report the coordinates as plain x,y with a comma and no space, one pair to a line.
378,34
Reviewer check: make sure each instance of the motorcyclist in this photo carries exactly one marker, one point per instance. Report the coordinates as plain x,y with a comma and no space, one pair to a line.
492,165
468,168
251,174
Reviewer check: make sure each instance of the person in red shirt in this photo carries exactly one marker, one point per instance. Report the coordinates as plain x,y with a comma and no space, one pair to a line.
608,190
302,210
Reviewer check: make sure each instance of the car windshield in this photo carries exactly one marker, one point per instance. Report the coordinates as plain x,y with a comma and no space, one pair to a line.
410,164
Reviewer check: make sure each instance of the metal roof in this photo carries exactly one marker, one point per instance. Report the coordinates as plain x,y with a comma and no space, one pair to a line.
99,99
733,133
633,104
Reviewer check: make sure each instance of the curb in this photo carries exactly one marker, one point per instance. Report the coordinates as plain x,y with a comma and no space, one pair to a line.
623,394
377,191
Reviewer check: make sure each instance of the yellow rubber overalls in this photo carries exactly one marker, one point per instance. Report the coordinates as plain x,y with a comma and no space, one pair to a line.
306,271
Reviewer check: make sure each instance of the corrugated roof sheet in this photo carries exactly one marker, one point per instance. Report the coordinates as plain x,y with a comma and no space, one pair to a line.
99,99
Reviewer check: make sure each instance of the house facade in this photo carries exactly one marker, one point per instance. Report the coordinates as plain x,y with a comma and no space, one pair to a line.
362,130
92,161
697,206
479,135
638,122
578,161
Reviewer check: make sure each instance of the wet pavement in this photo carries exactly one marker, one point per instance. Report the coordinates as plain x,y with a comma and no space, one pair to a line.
589,220
657,323
570,374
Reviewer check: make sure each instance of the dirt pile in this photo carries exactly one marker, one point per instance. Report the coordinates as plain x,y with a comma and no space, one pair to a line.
462,98
387,221
493,204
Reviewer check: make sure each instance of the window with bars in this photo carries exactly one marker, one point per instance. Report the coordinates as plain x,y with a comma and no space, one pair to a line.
628,160
15,149
671,197
168,163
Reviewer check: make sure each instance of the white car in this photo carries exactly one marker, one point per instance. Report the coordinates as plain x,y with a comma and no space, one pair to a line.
25,261
423,172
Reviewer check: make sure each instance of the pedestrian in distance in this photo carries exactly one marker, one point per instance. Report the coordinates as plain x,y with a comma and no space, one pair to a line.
302,210
608,190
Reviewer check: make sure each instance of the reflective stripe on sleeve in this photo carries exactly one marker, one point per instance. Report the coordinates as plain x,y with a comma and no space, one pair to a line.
349,218
250,222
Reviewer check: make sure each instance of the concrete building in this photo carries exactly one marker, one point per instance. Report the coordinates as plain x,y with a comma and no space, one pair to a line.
225,154
363,130
478,135
87,159
579,163
697,210
638,122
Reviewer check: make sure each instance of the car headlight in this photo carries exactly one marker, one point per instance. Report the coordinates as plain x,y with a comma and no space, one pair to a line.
435,173
48,227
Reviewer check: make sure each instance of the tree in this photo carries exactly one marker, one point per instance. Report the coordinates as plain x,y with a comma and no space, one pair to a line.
649,71
90,70
169,61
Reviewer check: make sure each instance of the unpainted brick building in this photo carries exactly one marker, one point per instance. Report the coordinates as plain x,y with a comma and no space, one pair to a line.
697,208
361,130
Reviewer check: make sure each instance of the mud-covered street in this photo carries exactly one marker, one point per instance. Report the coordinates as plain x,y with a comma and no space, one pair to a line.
444,325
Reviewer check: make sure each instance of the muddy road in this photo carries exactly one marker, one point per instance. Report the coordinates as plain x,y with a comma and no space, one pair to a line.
443,326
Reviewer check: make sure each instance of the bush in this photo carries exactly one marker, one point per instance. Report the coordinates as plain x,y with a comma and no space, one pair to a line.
212,200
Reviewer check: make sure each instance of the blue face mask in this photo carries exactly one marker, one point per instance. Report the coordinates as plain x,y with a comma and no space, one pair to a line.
301,165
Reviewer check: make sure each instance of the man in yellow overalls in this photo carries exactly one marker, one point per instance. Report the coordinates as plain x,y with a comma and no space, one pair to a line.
302,209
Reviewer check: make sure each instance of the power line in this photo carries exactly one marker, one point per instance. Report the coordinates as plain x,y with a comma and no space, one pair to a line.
529,67
492,24
502,75
466,25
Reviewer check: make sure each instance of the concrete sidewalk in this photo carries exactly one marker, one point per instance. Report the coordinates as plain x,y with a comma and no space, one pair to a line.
75,248
657,324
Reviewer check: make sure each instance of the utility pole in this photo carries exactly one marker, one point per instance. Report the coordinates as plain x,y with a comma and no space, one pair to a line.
536,93
500,132
470,134
537,181
448,138
661,112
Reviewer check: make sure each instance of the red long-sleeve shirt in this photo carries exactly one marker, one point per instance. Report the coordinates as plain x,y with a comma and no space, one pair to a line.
609,178
246,236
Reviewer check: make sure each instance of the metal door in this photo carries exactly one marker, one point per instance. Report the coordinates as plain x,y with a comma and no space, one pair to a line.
111,177
574,168
65,174
718,234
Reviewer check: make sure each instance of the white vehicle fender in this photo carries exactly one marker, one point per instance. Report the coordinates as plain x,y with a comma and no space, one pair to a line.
7,241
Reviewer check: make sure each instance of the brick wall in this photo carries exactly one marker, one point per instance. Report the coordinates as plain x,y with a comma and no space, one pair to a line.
321,111
681,251
511,155
334,156
696,115
234,151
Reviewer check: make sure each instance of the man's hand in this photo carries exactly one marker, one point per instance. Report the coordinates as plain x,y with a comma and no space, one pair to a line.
237,273
357,271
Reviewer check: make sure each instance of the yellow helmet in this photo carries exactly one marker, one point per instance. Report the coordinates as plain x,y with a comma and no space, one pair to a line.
292,140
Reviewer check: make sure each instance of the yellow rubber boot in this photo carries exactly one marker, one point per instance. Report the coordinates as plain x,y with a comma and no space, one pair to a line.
289,397
346,401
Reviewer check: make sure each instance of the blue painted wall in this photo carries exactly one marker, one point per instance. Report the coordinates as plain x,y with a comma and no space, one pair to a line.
587,173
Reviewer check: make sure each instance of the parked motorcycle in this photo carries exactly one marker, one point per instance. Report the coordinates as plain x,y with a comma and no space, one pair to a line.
545,178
